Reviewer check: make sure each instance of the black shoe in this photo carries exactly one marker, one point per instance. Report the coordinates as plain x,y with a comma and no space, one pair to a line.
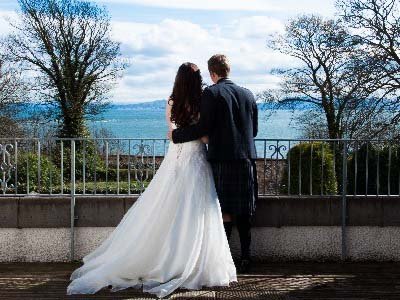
245,266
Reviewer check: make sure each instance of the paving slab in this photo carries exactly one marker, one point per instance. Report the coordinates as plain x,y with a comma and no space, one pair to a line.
268,281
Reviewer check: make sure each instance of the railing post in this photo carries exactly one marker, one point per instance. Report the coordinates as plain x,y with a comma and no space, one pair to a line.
39,154
72,242
344,200
62,166
16,166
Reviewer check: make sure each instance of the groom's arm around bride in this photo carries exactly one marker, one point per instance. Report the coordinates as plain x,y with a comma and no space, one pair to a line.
206,122
229,117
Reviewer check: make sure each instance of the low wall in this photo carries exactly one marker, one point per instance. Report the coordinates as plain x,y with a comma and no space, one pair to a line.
285,228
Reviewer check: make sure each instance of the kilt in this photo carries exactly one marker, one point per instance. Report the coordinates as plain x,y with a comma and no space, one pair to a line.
236,185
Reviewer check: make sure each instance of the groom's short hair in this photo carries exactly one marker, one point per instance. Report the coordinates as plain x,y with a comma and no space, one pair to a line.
219,64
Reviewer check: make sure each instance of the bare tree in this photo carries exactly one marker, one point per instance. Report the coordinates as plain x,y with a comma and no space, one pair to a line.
12,95
376,24
67,43
334,77
11,87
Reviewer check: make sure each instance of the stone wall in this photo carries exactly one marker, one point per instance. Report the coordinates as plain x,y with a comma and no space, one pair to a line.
285,228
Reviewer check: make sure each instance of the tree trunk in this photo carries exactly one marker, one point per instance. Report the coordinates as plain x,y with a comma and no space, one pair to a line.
333,128
73,125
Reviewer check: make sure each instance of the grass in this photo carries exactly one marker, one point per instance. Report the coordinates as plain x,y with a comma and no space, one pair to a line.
100,187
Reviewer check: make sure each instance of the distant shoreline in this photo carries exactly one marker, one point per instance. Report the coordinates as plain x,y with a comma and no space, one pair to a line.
148,121
160,104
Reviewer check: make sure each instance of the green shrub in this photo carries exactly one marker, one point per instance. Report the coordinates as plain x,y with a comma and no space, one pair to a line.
375,160
112,174
323,176
86,155
28,166
95,170
102,187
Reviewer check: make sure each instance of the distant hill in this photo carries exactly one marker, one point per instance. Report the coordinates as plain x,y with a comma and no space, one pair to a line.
160,105
153,105
150,106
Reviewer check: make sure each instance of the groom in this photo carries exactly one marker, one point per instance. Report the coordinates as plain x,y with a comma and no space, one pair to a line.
229,117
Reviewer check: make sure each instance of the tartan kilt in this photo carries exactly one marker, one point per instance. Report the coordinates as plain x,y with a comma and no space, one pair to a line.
236,185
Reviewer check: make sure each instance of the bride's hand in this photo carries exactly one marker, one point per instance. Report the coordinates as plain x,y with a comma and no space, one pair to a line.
205,139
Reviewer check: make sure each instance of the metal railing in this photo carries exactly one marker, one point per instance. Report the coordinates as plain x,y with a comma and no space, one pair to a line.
123,166
126,166
90,166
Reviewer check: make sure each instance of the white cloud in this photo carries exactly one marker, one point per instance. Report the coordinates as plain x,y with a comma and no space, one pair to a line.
168,36
256,27
5,17
157,50
323,7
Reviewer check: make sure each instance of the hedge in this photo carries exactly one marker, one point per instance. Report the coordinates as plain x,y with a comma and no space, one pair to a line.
50,177
323,175
28,169
377,164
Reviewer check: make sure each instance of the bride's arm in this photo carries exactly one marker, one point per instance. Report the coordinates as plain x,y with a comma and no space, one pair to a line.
168,108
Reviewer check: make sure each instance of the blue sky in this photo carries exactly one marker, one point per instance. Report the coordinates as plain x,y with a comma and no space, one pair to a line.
158,35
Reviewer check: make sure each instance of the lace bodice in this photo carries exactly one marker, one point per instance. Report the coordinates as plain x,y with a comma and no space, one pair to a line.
189,150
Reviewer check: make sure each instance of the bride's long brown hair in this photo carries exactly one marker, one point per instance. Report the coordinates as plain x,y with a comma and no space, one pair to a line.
186,95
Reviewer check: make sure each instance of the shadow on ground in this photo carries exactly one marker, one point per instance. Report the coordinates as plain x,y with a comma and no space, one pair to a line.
278,281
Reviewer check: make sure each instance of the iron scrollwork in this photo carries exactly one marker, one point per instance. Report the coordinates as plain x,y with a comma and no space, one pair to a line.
6,166
143,164
277,151
273,168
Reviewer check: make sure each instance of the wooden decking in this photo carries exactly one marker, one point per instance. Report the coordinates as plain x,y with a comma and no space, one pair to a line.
288,281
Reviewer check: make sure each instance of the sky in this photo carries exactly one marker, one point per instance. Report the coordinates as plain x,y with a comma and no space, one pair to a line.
157,36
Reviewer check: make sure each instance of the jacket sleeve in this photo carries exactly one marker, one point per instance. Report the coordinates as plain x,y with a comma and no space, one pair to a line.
255,119
205,124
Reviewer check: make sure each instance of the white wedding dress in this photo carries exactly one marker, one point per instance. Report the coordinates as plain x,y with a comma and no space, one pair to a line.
172,236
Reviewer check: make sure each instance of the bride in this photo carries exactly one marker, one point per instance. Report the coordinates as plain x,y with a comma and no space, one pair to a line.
173,235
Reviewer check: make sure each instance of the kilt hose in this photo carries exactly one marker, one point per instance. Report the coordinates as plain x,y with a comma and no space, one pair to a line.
236,185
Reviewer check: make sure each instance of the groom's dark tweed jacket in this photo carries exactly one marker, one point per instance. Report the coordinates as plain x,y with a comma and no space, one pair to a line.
229,117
